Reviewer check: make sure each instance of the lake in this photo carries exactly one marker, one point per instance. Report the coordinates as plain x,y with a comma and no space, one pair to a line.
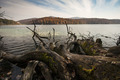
18,39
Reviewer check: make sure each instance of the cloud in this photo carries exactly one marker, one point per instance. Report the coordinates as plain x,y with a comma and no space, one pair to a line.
21,9
113,2
72,7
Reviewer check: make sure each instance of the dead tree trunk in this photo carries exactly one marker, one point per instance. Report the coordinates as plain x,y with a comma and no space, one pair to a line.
55,62
62,68
29,70
62,65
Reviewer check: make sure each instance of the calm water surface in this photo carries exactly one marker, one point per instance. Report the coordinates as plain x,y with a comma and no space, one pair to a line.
19,37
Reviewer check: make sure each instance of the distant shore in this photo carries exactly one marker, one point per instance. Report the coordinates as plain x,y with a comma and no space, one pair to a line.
58,20
8,22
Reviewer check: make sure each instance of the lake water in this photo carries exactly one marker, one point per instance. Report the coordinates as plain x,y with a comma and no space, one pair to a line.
19,37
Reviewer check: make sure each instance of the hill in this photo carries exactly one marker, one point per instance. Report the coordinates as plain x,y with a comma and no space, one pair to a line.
58,20
8,22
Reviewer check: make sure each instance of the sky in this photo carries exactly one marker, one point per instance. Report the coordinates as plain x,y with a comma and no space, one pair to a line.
23,9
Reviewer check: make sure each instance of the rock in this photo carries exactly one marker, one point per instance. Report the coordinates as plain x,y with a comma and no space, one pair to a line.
118,41
5,68
115,51
99,42
1,37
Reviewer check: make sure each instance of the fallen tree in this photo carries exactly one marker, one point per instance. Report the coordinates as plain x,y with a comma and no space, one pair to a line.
59,63
59,67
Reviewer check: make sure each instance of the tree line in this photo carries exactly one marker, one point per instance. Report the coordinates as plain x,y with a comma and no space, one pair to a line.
7,22
57,20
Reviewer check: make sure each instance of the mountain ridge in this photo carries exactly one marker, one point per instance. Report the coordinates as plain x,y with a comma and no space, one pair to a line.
72,20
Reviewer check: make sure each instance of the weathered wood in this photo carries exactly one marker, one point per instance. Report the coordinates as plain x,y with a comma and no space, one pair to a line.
59,64
39,37
76,48
70,34
53,35
49,36
56,62
36,45
29,70
38,34
1,37
45,71
118,41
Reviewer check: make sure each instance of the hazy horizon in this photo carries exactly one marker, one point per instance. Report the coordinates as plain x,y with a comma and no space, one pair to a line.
24,9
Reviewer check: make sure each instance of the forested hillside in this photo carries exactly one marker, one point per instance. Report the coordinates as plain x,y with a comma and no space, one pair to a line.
7,22
57,20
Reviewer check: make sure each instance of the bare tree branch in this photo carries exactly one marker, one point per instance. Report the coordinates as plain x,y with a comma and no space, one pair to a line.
53,35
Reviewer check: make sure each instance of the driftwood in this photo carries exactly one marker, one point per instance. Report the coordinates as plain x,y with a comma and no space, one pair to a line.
1,37
29,70
118,41
56,62
53,35
59,63
70,34
49,36
60,66
76,48
45,71
39,37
